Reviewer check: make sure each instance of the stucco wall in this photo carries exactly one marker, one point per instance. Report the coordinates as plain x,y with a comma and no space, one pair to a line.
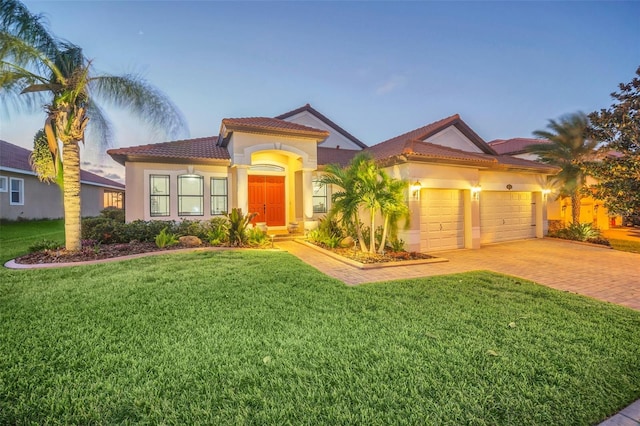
334,140
44,201
138,196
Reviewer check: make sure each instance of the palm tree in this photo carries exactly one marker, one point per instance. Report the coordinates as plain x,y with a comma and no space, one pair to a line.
393,206
37,69
347,200
569,147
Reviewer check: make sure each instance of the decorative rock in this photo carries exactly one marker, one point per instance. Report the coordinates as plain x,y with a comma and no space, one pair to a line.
347,242
190,241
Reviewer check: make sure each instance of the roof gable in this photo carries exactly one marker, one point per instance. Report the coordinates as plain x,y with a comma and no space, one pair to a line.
338,137
267,125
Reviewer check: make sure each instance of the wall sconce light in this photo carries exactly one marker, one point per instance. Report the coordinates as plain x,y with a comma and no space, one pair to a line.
595,208
415,189
564,210
546,192
475,192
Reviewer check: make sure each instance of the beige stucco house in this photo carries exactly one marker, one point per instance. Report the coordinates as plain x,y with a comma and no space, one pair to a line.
24,196
462,194
559,209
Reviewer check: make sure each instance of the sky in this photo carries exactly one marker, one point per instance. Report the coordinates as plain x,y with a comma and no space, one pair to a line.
377,69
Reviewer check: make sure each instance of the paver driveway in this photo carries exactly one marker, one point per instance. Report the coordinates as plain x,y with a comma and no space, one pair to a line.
590,270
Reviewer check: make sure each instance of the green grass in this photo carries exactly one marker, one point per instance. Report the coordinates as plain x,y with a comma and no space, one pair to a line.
258,337
625,245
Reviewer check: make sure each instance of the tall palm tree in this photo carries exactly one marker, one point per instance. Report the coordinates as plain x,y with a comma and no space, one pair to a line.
569,147
37,69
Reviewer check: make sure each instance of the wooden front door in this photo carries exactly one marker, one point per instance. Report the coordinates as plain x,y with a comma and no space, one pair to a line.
266,197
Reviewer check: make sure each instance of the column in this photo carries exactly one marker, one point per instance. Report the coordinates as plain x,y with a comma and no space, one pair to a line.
242,181
542,225
307,199
471,219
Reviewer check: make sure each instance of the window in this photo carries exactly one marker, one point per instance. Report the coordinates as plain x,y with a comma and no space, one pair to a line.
190,195
159,190
16,187
3,184
218,196
319,197
112,199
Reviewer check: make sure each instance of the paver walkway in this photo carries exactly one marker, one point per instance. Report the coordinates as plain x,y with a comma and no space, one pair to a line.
590,270
593,271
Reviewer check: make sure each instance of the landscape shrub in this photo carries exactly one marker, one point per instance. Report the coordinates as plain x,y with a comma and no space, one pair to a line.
113,213
166,238
238,225
218,231
256,237
581,232
45,245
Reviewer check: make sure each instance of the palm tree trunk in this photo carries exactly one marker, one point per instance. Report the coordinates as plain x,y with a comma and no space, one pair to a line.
71,195
575,207
372,232
384,234
363,246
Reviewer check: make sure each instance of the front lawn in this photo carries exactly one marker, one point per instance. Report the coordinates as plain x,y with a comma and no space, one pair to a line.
625,245
259,337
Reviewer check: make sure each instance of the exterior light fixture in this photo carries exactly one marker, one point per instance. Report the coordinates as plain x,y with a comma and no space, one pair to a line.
415,189
546,192
475,192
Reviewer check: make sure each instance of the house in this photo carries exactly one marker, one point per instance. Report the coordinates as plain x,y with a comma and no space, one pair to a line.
463,194
559,210
24,196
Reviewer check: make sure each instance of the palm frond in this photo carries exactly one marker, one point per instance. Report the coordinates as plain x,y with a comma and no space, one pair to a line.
100,129
143,99
16,19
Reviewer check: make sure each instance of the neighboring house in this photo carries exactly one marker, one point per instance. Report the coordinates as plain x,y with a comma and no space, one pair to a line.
463,194
23,196
559,210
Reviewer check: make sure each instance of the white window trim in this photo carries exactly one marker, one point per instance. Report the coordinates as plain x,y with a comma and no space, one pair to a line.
4,184
21,203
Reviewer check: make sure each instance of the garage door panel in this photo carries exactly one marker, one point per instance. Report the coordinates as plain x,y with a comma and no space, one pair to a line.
441,220
506,216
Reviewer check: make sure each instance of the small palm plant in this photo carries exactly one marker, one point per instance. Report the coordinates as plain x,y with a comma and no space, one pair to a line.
238,224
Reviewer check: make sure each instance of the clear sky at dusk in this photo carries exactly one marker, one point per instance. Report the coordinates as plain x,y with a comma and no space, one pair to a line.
378,69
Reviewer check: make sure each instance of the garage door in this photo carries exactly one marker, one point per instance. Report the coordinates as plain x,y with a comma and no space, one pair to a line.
441,219
506,216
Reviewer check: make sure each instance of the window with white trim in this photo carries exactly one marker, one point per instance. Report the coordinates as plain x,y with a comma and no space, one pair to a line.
319,197
16,192
190,195
219,196
159,195
3,184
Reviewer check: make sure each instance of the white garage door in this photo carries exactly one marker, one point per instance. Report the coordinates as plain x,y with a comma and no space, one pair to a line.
441,219
506,216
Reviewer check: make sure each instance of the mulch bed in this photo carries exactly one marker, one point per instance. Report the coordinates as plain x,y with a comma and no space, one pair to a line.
388,256
103,251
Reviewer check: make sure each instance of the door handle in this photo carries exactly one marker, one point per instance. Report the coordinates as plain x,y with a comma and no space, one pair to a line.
264,209
441,227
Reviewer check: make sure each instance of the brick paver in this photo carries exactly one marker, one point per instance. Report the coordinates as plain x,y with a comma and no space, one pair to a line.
586,269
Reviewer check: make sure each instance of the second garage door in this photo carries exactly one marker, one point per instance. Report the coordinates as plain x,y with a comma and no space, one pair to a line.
506,216
441,219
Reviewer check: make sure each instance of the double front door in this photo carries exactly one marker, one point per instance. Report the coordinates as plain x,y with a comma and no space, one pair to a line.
266,197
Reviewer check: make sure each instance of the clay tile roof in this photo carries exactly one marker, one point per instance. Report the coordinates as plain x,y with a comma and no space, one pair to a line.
404,143
335,156
515,145
271,125
308,108
192,149
15,157
426,149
